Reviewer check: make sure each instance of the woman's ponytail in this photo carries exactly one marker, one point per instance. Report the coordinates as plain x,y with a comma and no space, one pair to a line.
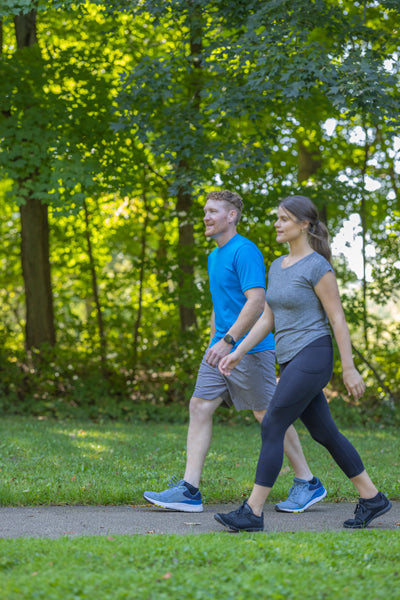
319,239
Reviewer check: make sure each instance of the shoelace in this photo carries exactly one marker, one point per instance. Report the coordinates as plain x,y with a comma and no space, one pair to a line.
359,511
239,510
173,481
297,489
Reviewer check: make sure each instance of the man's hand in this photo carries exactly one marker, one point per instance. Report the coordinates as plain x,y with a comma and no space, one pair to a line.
217,352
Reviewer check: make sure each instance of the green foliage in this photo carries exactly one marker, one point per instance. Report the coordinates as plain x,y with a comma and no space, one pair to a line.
124,115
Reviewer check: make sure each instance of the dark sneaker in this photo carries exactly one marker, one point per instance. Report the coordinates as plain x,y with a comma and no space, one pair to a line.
302,495
367,510
177,497
242,519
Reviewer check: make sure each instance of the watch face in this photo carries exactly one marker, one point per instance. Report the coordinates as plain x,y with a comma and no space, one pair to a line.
229,339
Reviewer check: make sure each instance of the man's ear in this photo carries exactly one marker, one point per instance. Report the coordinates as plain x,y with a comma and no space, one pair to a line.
232,216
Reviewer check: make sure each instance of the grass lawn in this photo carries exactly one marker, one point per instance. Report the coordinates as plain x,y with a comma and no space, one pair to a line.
54,462
286,566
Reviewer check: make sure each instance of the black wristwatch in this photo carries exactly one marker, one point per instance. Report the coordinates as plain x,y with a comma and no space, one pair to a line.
229,339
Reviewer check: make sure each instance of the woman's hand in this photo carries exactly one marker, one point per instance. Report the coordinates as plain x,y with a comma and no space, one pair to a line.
229,362
353,382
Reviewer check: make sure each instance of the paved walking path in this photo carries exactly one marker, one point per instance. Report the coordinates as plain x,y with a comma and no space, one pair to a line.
71,521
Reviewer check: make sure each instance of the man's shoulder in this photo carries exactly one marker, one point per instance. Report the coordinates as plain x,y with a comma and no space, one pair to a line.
242,241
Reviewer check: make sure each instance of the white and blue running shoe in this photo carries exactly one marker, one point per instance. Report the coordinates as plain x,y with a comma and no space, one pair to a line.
302,495
177,497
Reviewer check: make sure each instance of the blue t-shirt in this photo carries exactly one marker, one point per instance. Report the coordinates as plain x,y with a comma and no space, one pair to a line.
232,269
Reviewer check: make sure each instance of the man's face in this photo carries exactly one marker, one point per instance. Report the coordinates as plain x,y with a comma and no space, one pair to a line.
218,218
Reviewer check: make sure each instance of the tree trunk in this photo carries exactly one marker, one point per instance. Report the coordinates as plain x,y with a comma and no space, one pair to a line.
363,217
25,29
39,328
35,256
143,254
309,162
184,205
95,290
184,197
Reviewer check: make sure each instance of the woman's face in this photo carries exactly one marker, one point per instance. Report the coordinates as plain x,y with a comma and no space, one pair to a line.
288,228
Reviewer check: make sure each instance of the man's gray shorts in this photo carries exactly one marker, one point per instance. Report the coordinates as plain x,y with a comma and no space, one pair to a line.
250,386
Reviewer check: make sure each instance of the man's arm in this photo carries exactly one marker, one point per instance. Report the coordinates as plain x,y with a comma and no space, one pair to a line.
249,314
212,327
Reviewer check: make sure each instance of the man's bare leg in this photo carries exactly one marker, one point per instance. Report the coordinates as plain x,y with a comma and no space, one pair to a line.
199,437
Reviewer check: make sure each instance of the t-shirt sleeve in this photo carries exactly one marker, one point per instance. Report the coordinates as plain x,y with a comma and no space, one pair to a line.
319,268
250,267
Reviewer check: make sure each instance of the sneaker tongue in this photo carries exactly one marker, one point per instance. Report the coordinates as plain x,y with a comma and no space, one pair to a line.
298,488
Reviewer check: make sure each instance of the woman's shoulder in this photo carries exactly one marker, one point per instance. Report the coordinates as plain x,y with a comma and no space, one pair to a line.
320,260
318,267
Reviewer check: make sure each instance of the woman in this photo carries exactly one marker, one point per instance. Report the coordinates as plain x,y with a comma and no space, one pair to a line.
302,299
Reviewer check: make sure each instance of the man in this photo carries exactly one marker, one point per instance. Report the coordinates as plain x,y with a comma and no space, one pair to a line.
237,283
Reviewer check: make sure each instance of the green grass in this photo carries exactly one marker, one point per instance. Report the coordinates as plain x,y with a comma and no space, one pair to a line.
54,462
286,566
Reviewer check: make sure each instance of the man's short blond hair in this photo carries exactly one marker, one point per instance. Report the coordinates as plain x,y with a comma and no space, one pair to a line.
231,198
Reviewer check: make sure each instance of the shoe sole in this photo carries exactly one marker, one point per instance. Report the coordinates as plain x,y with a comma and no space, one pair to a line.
300,510
176,506
366,523
219,518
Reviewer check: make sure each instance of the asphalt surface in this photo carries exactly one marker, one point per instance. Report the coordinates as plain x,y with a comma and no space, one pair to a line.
71,521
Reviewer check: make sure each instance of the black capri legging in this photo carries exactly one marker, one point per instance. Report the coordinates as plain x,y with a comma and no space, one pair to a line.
299,395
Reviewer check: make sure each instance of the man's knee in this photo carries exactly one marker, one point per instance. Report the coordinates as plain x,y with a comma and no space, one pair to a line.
201,408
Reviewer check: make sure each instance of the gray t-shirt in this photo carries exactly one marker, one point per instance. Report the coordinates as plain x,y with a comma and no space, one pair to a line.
299,316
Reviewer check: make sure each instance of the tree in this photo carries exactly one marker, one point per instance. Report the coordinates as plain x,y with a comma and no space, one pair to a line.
26,114
142,107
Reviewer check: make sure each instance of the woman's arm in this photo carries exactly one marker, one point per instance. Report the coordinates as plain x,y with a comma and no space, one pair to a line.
257,333
328,293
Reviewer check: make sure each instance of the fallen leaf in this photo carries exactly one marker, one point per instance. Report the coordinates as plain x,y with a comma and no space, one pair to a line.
166,576
73,478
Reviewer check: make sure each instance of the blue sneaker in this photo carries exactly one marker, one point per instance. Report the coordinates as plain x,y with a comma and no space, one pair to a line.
302,495
176,497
